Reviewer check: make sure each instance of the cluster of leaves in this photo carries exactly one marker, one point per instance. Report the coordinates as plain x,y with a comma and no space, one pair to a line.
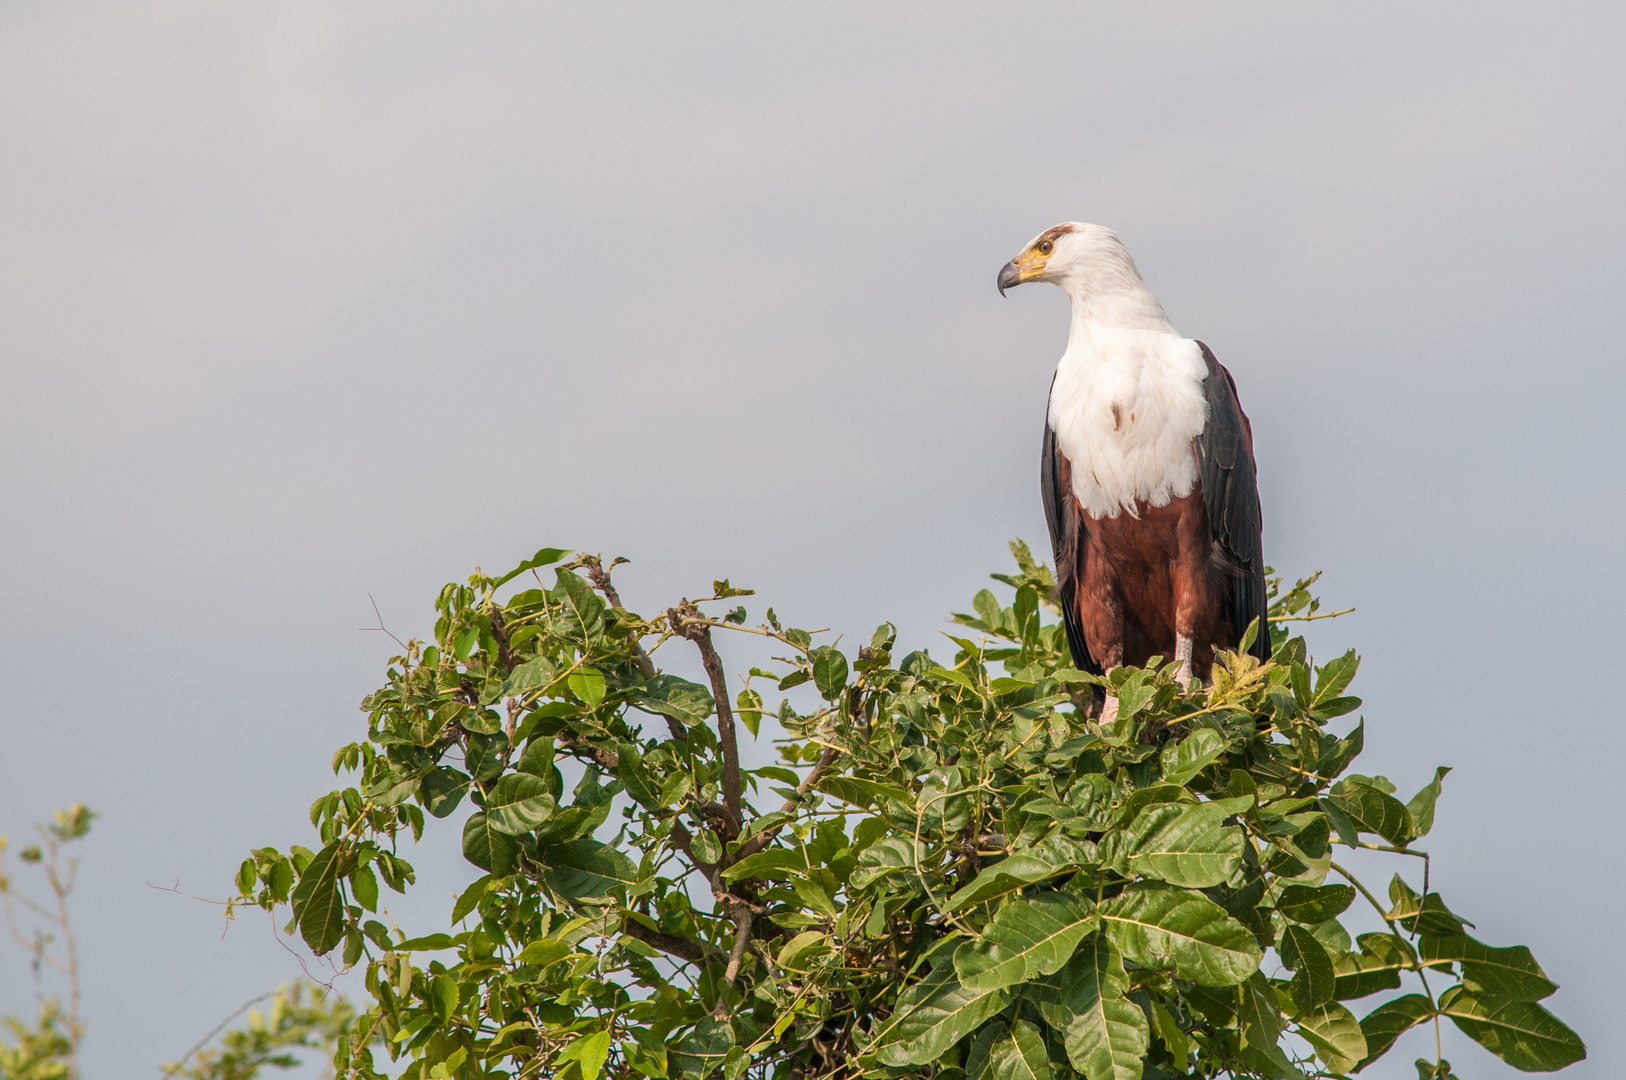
37,1052
299,1018
954,872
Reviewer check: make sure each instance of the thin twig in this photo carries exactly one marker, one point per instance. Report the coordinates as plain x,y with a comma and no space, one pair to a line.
685,619
175,1067
381,625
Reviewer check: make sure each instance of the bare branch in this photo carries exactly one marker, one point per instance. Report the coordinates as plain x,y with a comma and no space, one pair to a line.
687,621
743,917
766,836
696,952
381,625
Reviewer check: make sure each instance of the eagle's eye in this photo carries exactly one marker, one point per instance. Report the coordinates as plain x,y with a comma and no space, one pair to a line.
1045,247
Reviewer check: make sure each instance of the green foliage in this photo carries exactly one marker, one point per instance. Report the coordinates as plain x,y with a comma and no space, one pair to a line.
298,1018
954,871
39,1052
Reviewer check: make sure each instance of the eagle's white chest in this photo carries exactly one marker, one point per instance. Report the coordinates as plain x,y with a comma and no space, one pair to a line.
1125,407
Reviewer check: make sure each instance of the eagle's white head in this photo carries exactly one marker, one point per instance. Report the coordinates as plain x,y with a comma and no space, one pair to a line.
1094,269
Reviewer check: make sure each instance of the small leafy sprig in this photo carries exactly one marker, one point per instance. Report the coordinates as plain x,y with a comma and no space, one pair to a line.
954,871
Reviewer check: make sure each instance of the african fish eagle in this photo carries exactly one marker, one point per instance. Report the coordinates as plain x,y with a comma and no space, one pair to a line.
1147,472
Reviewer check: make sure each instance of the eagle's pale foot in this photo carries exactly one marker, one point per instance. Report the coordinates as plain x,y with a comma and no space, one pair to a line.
1109,711
1182,662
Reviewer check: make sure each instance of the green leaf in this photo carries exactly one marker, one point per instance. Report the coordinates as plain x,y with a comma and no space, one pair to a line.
885,856
1372,811
470,897
544,951
443,997
772,863
1007,875
588,685
1314,976
364,887
443,789
483,754
1335,1035
1386,1023
1376,967
488,847
1258,1012
587,868
1487,972
317,903
1310,905
1105,1034
1021,1055
545,557
687,702
1183,760
1421,807
593,1050
580,607
829,671
1173,929
704,1048
532,675
1026,939
519,803
1521,1033
1183,844
932,1016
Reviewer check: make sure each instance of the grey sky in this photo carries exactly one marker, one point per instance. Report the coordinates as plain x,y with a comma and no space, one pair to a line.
302,302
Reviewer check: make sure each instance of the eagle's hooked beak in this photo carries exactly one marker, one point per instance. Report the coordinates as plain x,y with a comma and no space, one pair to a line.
1025,267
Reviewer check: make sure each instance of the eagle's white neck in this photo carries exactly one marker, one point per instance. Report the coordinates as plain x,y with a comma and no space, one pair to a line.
1128,396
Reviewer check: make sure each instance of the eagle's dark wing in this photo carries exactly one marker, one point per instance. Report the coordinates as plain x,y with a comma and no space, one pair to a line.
1066,521
1231,494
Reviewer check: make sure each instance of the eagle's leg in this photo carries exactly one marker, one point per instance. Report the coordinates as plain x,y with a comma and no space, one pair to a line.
1101,617
1189,576
1182,661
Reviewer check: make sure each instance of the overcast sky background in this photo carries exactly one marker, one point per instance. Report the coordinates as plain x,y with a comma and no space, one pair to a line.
305,302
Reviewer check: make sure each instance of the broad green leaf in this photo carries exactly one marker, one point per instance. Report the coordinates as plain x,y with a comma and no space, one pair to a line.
317,903
1310,905
1521,1033
1183,844
1026,939
1386,1023
682,700
483,754
532,675
829,671
1313,972
805,944
1007,875
772,863
1169,1030
1258,1012
932,1016
1371,811
1425,915
1173,929
1334,1033
587,868
1487,972
364,887
443,997
704,1048
488,847
543,951
1185,759
1020,1055
1376,967
443,789
545,557
1421,807
519,803
594,1049
580,607
1106,1035
470,897
885,856
588,685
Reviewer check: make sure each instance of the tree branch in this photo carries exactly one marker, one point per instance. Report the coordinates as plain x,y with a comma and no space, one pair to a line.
687,621
743,917
695,952
600,578
766,836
